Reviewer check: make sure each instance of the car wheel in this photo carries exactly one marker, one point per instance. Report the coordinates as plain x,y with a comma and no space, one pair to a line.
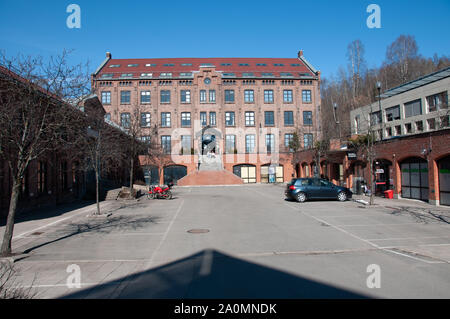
301,197
342,197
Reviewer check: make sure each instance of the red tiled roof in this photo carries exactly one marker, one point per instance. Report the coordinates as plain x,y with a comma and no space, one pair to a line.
288,65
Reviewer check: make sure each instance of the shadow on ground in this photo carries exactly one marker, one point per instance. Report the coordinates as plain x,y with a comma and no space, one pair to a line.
211,274
46,212
97,225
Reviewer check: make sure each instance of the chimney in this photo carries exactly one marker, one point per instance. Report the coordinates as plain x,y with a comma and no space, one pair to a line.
300,54
108,55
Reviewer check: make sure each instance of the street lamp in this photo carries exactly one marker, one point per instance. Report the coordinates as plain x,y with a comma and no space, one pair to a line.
379,104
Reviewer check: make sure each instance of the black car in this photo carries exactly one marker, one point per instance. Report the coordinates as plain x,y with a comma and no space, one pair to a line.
301,189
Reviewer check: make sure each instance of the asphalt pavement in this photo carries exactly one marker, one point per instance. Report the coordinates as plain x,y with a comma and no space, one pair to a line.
242,241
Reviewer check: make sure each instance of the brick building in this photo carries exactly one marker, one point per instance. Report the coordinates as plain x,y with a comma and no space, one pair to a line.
247,108
412,149
54,177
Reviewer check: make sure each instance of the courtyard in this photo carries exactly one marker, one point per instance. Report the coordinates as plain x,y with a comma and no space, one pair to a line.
243,241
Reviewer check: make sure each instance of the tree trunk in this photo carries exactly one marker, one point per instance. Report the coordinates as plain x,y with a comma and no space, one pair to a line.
131,175
7,237
97,191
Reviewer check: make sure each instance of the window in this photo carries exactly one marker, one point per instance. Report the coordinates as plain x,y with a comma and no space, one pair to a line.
145,119
125,97
212,96
431,124
375,118
145,97
146,139
398,130
268,96
288,118
203,119
230,143
287,96
437,101
125,120
389,131
270,143
108,116
249,96
393,113
419,126
166,144
106,97
250,143
165,96
185,96
288,138
229,118
413,108
408,128
249,118
229,96
306,96
165,119
307,140
307,118
186,144
202,96
212,118
269,118
185,119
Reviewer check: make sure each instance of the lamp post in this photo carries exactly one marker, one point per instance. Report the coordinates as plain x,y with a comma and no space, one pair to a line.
379,104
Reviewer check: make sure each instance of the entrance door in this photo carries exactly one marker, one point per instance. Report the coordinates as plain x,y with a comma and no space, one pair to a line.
444,181
415,179
174,173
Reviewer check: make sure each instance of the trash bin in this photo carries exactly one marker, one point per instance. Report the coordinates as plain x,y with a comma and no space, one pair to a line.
389,194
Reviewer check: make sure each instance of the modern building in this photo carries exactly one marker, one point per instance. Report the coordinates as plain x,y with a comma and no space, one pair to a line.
411,125
242,111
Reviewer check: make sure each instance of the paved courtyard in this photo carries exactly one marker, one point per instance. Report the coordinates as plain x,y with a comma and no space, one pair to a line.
247,242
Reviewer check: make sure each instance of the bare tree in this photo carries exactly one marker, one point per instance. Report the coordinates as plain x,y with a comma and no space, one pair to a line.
35,117
356,65
134,145
156,154
400,53
101,148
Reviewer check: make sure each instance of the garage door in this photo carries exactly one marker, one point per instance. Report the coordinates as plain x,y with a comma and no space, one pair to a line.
272,174
246,172
444,181
415,179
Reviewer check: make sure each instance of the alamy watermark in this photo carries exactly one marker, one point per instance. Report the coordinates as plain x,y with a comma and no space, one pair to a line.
374,279
74,279
374,19
74,19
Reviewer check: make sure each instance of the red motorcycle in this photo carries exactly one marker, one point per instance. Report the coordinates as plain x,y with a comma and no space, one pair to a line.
161,192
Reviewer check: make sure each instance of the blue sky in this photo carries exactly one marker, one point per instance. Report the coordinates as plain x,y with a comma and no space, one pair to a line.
198,28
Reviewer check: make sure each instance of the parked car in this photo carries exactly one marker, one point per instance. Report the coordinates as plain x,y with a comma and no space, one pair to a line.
302,189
